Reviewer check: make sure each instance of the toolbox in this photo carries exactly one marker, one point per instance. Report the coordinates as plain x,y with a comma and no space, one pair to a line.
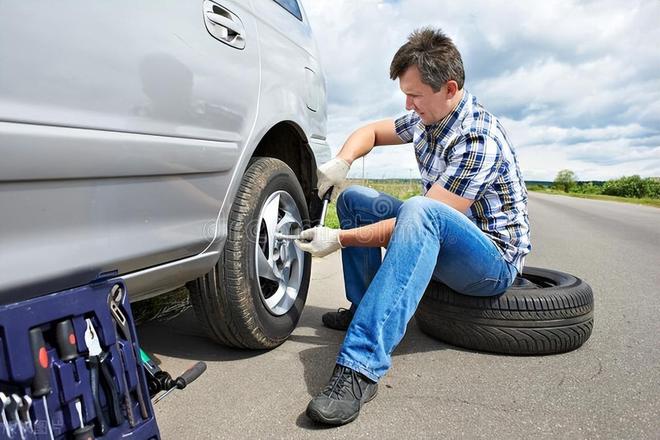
70,368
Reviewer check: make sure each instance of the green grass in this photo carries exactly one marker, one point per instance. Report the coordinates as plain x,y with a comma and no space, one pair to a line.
331,219
405,189
648,202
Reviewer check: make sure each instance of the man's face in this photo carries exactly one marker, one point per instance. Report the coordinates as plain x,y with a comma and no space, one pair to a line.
431,106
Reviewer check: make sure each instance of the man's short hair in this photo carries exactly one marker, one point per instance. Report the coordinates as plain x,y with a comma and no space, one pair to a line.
434,54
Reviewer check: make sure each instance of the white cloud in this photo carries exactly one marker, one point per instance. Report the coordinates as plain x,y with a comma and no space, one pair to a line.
575,82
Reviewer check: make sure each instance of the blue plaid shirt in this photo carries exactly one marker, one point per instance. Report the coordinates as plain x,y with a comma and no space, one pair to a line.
469,154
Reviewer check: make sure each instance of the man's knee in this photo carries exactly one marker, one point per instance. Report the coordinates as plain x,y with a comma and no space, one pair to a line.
351,197
420,209
418,206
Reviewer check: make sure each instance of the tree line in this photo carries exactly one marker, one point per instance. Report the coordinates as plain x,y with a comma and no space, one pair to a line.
627,186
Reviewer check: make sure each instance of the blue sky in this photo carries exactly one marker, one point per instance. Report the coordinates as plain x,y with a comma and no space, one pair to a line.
576,83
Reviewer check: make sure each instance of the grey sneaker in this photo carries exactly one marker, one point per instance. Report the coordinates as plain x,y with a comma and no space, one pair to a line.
339,320
341,399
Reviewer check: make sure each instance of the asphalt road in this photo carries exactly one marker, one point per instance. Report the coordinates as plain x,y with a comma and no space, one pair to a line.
609,388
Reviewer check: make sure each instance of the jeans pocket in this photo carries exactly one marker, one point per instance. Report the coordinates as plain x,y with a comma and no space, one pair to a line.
483,287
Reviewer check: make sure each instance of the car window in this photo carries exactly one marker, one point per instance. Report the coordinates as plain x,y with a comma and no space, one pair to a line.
291,6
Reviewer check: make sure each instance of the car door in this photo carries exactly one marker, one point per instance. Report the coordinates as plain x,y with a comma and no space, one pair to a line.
120,126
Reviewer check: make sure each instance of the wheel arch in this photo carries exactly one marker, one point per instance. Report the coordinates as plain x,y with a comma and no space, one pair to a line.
287,142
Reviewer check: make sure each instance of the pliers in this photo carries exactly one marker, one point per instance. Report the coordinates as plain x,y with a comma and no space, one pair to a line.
96,362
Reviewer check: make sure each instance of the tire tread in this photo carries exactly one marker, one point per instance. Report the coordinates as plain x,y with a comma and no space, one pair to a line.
523,321
226,313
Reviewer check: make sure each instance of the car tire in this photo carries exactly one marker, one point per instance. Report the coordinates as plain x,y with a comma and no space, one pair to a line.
544,312
237,305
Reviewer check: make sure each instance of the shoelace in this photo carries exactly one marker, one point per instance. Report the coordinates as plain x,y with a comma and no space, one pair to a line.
338,386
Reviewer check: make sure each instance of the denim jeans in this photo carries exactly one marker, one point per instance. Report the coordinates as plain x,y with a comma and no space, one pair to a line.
430,240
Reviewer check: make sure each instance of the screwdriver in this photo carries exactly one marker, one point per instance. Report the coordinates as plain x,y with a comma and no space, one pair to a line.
84,432
66,340
66,345
41,383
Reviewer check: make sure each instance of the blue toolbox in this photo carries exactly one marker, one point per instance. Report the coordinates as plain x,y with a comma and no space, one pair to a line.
71,368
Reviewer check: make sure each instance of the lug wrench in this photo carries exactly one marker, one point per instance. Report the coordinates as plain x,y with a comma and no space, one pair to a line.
324,211
326,201
114,302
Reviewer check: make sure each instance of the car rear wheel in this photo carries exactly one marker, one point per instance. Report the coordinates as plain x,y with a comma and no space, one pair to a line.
254,296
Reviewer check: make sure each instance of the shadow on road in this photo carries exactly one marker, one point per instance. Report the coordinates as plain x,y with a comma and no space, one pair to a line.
319,360
183,337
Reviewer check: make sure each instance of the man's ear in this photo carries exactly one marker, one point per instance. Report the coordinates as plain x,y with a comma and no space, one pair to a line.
452,89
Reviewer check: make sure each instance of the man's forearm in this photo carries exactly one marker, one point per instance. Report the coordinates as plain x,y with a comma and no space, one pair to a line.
375,235
359,143
364,139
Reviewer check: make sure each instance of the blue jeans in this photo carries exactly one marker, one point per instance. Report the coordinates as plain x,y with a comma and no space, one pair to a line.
430,240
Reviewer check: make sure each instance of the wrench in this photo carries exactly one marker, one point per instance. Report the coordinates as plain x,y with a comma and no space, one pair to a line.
5,403
25,412
324,211
15,406
286,237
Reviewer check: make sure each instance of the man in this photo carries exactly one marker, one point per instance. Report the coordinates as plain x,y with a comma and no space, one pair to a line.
469,231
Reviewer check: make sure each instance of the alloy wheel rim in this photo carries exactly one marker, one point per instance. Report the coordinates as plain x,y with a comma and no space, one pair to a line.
279,263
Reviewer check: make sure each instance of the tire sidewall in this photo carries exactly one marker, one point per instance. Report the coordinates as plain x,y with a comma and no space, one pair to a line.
281,178
554,317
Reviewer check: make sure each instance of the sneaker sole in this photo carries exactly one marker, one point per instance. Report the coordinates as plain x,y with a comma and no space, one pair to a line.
320,418
333,327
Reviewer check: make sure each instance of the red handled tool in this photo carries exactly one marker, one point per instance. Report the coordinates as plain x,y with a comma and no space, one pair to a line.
41,383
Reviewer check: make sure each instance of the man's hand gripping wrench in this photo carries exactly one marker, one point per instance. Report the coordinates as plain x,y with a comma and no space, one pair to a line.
324,211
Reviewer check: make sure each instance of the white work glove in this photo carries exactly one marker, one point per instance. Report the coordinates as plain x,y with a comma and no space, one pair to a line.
319,241
331,173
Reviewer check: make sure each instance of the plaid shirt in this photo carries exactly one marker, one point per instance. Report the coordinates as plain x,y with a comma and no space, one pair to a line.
469,154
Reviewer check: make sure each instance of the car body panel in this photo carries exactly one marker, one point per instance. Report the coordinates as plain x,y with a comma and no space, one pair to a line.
124,138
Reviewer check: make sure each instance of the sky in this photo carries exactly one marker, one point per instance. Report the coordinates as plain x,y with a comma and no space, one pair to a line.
576,84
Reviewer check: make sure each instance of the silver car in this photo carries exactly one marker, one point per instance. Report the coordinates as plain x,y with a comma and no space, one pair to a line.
163,143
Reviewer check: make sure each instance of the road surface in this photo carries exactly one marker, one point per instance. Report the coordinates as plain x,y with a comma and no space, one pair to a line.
609,388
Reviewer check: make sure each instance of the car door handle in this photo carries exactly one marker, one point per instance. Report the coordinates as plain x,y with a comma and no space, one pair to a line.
224,25
224,22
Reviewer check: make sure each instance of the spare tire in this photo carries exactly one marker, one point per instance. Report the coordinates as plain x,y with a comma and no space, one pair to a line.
544,312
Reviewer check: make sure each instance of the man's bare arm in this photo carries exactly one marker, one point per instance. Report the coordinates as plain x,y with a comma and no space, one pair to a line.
378,234
375,235
364,139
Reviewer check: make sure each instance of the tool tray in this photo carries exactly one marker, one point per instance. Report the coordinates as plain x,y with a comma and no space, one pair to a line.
70,381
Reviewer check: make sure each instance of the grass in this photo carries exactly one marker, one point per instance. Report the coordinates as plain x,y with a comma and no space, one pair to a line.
648,202
404,189
161,307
